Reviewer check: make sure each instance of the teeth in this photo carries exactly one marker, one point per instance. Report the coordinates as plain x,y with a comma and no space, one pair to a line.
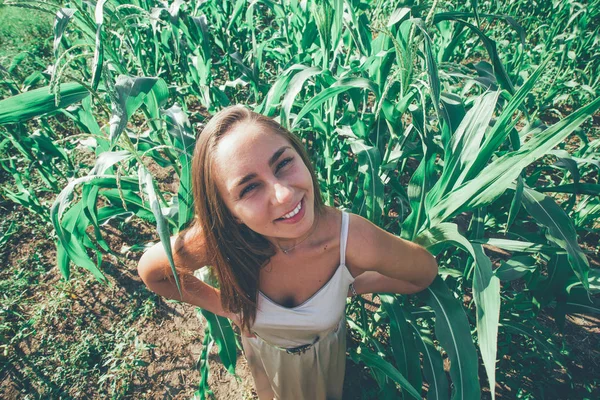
294,212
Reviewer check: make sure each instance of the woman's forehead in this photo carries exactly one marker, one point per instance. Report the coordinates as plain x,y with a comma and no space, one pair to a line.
249,140
246,148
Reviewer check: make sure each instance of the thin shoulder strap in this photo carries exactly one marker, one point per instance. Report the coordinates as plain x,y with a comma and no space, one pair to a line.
344,236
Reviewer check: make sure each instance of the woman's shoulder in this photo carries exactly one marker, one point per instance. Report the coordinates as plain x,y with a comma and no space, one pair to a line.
366,242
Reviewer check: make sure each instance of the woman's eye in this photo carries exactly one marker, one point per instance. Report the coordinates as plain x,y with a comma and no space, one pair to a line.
248,189
283,163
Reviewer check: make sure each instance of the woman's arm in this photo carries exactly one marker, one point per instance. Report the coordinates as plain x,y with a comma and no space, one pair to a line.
189,255
389,263
374,282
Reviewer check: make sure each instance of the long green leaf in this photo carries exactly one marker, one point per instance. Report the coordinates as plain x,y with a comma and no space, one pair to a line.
331,92
147,185
222,333
25,106
63,16
377,362
560,229
433,367
403,341
493,181
180,129
486,290
453,331
130,94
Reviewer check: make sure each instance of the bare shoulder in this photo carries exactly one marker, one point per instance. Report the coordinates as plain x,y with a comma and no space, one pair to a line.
363,237
371,248
189,254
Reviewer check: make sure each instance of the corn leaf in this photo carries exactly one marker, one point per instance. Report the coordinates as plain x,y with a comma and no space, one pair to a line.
515,268
99,48
403,341
377,362
433,367
63,16
294,87
331,92
130,94
223,335
369,160
203,366
493,181
560,230
147,185
453,332
515,204
180,129
25,106
486,290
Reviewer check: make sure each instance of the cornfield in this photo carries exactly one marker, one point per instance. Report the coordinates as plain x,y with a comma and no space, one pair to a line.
468,128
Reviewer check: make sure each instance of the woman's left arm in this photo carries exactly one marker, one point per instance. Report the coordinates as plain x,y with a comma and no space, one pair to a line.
383,262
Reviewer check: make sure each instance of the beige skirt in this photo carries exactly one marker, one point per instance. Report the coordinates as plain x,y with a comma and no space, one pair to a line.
317,373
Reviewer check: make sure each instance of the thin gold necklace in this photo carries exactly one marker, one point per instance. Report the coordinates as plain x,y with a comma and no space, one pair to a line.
287,251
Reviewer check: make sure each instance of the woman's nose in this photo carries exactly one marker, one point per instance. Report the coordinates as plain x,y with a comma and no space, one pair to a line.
283,193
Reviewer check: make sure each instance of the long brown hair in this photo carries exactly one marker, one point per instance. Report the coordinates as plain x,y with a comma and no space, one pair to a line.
237,252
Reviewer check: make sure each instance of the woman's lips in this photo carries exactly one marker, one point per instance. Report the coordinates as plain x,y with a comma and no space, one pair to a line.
296,217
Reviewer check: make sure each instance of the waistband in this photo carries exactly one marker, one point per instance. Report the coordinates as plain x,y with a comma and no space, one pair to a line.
299,350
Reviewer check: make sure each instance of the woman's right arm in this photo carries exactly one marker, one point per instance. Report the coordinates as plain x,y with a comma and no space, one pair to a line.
189,254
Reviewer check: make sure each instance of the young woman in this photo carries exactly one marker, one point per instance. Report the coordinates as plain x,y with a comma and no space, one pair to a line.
285,262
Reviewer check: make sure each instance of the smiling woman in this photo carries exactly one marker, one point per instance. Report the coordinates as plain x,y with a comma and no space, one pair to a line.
285,262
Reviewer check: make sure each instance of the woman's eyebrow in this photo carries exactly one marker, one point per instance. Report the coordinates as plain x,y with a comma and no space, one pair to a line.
276,155
272,161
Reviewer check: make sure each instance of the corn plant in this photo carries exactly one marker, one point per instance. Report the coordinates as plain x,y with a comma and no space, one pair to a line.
401,130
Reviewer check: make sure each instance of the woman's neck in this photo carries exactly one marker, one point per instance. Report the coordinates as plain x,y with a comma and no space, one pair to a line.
315,234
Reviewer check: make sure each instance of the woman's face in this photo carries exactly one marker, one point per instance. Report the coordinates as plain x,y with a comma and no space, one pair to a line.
264,182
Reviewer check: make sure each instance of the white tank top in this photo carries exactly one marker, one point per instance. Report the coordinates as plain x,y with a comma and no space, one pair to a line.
313,319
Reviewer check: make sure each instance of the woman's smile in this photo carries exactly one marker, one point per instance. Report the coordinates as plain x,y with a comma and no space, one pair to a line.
293,216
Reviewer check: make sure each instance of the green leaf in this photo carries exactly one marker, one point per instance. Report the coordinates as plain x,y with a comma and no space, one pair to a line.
515,268
369,161
377,362
433,367
454,334
486,290
180,129
579,302
560,229
63,16
204,367
515,205
147,185
99,48
25,106
494,179
294,87
222,333
498,133
337,88
131,93
464,145
518,245
403,342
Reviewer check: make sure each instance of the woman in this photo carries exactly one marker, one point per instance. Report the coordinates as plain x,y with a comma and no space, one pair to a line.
285,262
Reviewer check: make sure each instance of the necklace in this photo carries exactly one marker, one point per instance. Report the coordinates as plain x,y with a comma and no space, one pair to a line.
287,251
